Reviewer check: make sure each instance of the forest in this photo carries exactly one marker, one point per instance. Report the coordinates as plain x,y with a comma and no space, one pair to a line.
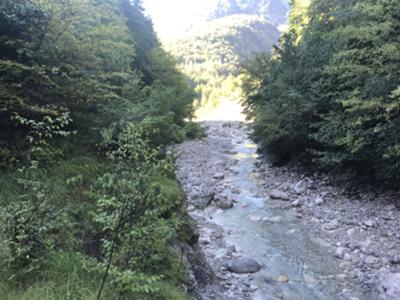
328,96
89,202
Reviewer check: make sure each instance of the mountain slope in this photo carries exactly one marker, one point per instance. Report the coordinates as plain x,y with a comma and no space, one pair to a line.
211,55
273,10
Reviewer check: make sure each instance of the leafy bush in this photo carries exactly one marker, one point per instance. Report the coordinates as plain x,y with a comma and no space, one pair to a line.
330,92
88,102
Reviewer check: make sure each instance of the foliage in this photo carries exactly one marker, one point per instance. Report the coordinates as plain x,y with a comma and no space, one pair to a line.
330,92
88,102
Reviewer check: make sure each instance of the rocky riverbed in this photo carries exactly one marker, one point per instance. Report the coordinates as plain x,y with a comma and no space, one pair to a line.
275,233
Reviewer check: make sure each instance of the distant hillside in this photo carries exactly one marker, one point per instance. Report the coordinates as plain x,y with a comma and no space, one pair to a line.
273,10
228,40
211,55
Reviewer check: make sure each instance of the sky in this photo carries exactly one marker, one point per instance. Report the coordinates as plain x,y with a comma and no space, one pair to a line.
172,18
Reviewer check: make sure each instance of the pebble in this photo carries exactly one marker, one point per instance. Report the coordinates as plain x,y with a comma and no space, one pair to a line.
395,260
340,252
319,201
369,223
332,225
296,203
301,186
278,195
371,260
219,176
225,203
283,279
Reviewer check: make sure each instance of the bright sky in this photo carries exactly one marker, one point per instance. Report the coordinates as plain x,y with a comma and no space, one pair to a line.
172,18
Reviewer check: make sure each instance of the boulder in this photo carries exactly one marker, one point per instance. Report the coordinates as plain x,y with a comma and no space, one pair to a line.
242,265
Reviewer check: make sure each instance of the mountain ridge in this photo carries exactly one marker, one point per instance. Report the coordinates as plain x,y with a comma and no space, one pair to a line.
275,11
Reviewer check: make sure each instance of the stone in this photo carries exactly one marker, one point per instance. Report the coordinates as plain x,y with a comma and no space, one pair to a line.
319,201
340,252
296,203
224,203
348,257
221,253
389,287
361,245
275,219
309,280
395,260
301,186
283,279
202,200
299,215
219,176
242,265
350,232
236,191
332,225
371,260
369,223
278,195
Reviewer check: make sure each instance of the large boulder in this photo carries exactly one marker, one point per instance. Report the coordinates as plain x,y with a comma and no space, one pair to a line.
243,265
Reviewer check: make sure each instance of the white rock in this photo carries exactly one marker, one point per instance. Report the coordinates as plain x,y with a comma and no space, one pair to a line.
296,203
219,176
319,201
348,257
351,231
369,223
340,252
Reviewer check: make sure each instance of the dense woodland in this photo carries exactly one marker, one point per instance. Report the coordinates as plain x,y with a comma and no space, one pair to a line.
329,95
88,102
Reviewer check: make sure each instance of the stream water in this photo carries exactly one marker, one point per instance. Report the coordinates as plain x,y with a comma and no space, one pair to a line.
278,240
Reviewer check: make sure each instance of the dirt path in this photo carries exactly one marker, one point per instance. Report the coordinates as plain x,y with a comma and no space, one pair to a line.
271,233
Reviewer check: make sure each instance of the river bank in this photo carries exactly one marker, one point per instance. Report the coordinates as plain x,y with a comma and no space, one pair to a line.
273,233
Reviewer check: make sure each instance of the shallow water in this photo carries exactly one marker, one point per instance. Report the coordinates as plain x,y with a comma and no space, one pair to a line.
278,241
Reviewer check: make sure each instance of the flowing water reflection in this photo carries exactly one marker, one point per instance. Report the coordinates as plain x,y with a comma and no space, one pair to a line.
279,241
